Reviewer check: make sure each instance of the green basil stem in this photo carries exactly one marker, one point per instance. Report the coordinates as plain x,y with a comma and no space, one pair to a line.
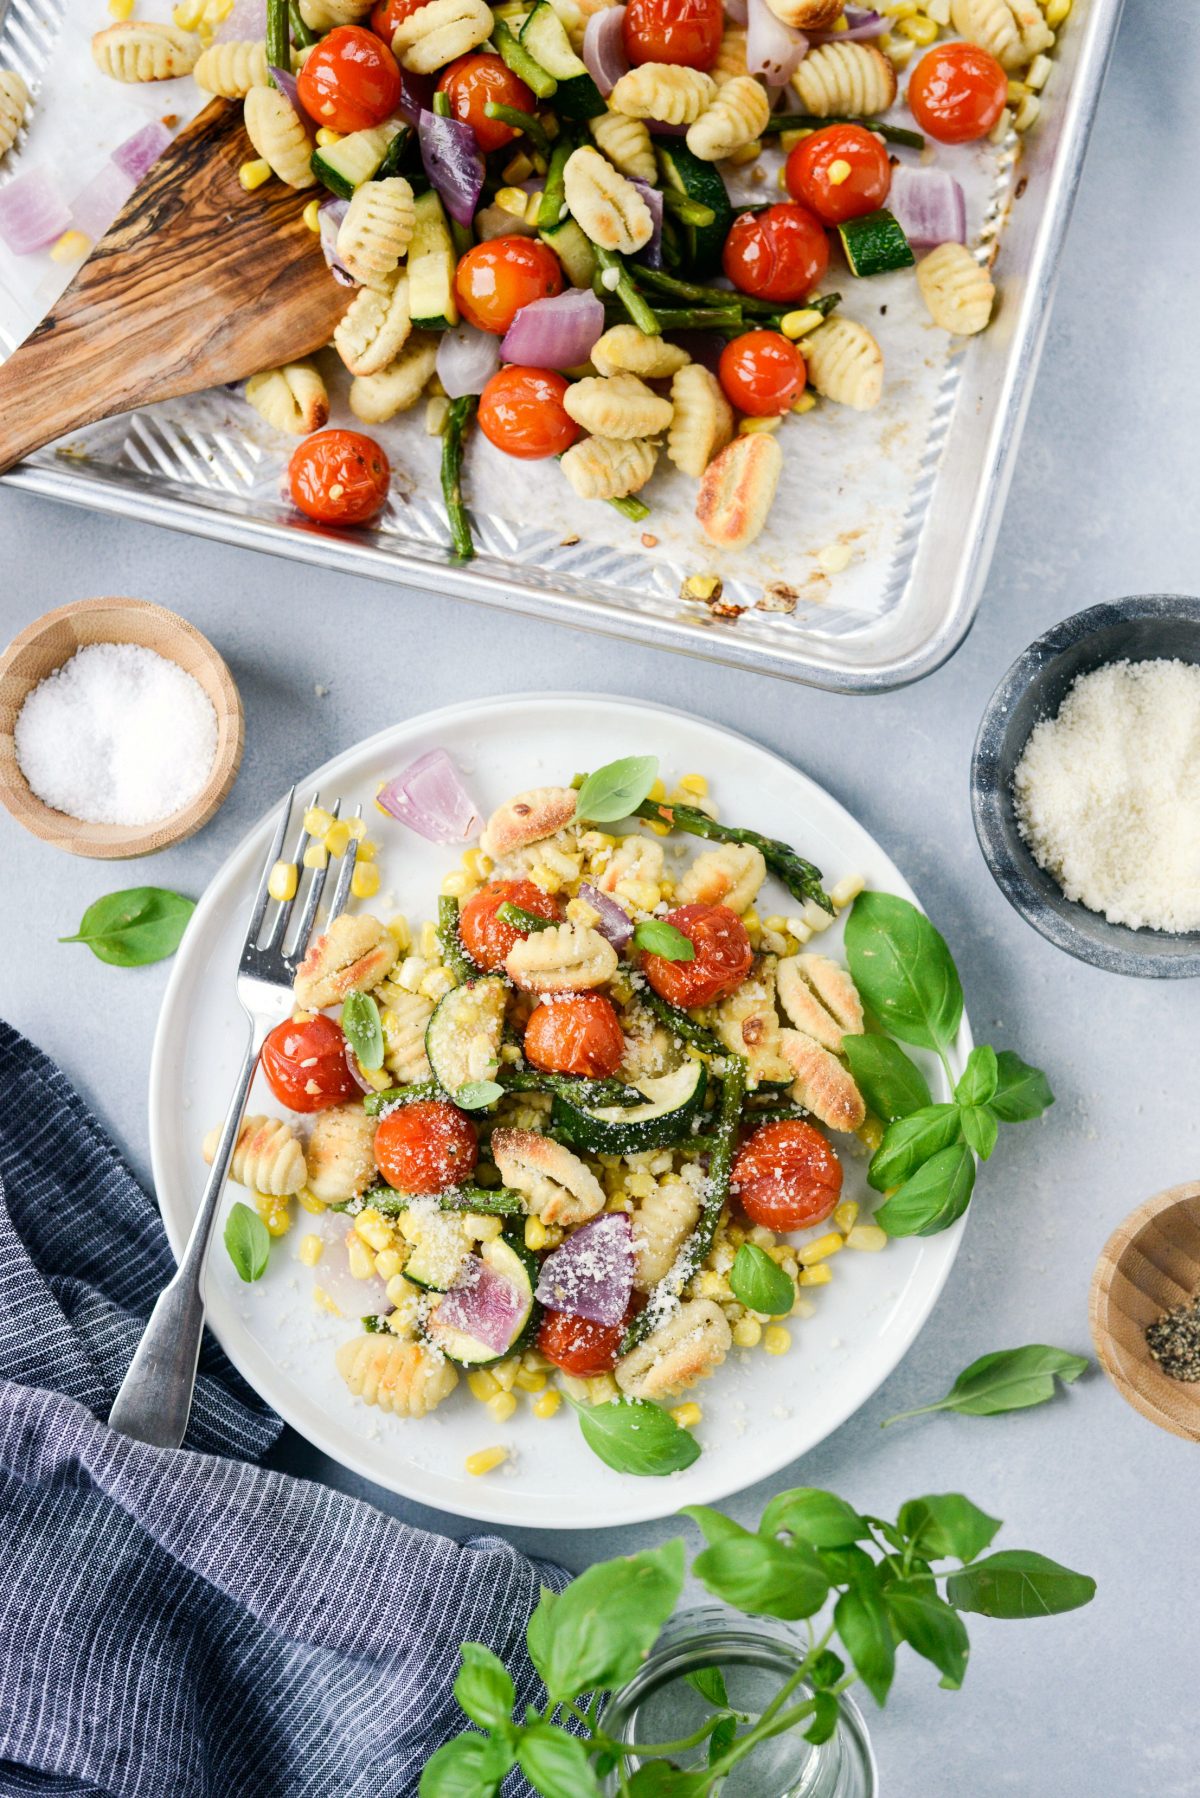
520,919
521,121
454,956
630,507
626,291
522,64
692,212
279,40
461,412
806,121
684,1027
801,878
554,194
302,37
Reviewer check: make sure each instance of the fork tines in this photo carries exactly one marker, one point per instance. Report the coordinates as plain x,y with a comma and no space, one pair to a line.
276,955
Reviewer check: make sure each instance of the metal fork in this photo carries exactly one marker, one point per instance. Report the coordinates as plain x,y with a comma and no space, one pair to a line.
155,1398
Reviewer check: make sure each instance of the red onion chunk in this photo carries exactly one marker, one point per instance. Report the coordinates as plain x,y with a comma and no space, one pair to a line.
773,49
929,205
330,214
615,924
604,48
140,152
483,1305
416,95
450,153
860,24
285,81
651,252
557,332
32,212
591,1275
466,360
660,128
246,21
429,797
95,208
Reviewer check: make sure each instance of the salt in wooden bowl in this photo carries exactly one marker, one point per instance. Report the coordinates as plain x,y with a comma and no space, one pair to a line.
1150,1263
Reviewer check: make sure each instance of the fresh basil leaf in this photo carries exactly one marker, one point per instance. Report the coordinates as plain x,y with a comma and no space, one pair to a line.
934,1198
657,937
539,1632
484,1688
659,1779
473,1095
861,1619
910,1142
137,926
946,1524
722,1739
759,1284
764,1576
1018,1583
824,1718
467,1766
555,1763
1021,1092
819,1518
710,1683
979,1078
903,970
616,790
714,1526
636,1437
979,1128
826,1670
601,1627
1007,1380
248,1241
892,1085
363,1030
930,1626
848,1566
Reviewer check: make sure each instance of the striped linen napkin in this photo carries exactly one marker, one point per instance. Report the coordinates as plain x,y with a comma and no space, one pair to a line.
181,1621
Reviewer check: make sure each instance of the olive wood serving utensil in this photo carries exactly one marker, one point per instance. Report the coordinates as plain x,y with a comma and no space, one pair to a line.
196,283
1150,1263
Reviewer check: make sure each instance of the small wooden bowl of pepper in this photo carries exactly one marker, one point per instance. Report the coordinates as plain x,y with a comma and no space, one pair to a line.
1148,1279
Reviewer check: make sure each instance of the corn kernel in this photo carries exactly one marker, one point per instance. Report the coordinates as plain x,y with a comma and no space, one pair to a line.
437,983
399,932
485,1460
867,1236
311,215
938,11
274,1213
747,1333
364,882
710,1285
317,820
702,587
388,1263
758,427
777,1340
283,880
658,792
602,1389
188,14
483,1229
529,1381
687,1416
533,206
518,169
580,912
846,891
1056,12
72,246
360,1259
401,1291
326,135
314,1207
547,1404
536,1233
253,174
311,1249
789,139
920,30
368,849
482,1385
1038,73
512,200
505,1372
846,1215
324,1302
820,1250
801,322
315,856
804,402
456,883
437,416
477,864
870,1132
502,1406
1028,113
337,837
411,972
429,940
373,1228
1002,127
764,1238
120,9
820,1275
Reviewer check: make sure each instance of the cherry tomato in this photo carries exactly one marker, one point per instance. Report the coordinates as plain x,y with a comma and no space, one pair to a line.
578,1345
722,959
786,1176
494,280
577,1034
839,173
957,93
426,1147
778,254
521,412
339,477
683,31
391,13
349,81
474,80
486,938
305,1064
761,373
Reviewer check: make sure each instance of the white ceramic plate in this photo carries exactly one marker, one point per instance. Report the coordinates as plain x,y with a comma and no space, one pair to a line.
759,1412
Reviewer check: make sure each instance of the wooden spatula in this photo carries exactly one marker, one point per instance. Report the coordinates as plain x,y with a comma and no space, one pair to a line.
196,283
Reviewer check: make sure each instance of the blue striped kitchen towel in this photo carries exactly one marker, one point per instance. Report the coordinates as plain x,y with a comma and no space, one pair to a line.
180,1622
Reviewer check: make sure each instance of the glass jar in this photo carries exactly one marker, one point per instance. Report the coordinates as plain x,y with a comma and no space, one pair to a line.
755,1656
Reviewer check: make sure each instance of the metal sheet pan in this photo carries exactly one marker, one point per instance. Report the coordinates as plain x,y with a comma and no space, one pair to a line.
923,496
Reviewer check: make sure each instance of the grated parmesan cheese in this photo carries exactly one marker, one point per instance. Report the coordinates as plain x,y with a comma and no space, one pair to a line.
1108,794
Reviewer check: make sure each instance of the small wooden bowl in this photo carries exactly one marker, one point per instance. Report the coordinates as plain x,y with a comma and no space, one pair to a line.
49,642
1150,1263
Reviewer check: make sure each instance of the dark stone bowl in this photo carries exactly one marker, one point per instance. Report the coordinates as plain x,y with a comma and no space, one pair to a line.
1142,628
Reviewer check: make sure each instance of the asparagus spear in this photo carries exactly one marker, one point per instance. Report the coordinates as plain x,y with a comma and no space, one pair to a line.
454,955
461,412
626,291
302,37
692,212
554,194
807,121
801,878
521,121
684,1027
487,1201
631,508
278,34
520,919
375,1103
522,64
577,1088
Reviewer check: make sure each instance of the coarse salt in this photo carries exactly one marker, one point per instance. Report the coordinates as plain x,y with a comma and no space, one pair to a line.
117,735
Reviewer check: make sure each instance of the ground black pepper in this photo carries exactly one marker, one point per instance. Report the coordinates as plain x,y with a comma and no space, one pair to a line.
1174,1341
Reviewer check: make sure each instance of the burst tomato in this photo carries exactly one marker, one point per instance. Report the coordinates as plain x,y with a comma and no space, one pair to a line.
473,81
579,1346
339,477
722,957
761,373
426,1147
494,280
305,1064
839,173
786,1176
486,938
349,81
578,1034
778,254
957,92
521,411
679,31
391,13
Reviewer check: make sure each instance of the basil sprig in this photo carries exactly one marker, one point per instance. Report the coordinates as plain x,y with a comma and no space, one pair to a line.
1006,1380
634,1436
248,1241
615,791
657,937
759,1284
476,1095
363,1029
134,927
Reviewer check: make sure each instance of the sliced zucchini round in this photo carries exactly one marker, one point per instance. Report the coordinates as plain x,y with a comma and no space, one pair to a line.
463,1037
673,1102
436,1259
701,181
503,1259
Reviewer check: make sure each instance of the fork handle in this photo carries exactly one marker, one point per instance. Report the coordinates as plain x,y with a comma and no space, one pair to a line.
155,1399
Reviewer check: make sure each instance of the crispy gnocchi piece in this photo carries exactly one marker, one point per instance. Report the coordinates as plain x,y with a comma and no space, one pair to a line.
820,999
275,129
736,117
749,1025
730,875
559,1187
854,80
703,419
731,57
567,958
1013,31
440,32
526,818
404,1017
958,293
231,69
405,1378
292,398
666,91
626,143
608,468
662,1223
376,398
14,108
619,406
352,956
323,15
376,230
606,207
267,1156
808,15
341,1154
636,858
693,1341
625,349
845,363
737,488
143,50
821,1083
374,328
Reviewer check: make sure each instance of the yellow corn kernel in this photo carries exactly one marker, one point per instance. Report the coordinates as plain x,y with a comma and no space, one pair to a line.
820,1250
938,11
517,169
747,1332
789,139
311,1249
580,912
763,1237
846,1215
547,1404
373,1228
388,1263
485,1460
483,1229
357,828
710,1285
687,1416
437,416
364,882
310,215
368,849
659,826
533,206
317,820
838,171
1038,73
512,200
758,427
870,1132
327,135
901,9
399,932
505,1372
820,1275
437,983
536,1234
477,864
482,1385
429,940
804,402
283,880
502,1406
1028,113
274,1213
456,883
801,322
602,1389
324,1302
641,1184
1056,12
188,15
1017,91
834,557
315,856
777,1340
72,246
658,792
847,890
529,1381
120,9
253,174
337,837
747,154
920,29
702,587
360,1259
314,1207
867,1236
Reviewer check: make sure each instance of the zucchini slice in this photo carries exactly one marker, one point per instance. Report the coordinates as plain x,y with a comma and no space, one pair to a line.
437,1258
431,263
544,36
679,169
875,244
673,1102
360,157
463,1037
574,251
455,1344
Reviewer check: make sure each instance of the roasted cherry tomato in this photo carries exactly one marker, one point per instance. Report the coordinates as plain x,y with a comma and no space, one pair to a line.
494,280
579,1346
686,31
957,92
305,1064
426,1147
577,1034
339,477
521,411
471,82
786,1176
349,81
486,938
761,373
840,172
391,13
778,254
722,959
